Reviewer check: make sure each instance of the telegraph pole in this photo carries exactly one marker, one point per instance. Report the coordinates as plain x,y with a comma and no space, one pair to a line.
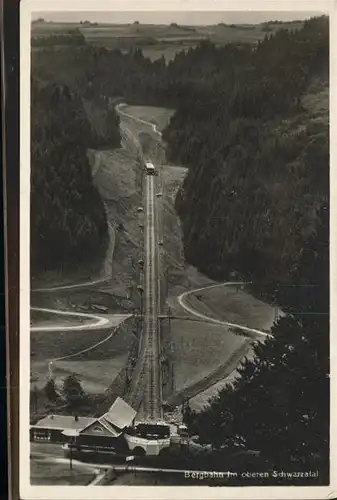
169,318
35,399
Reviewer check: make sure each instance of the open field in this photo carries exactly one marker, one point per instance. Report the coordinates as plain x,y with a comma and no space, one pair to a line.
207,382
161,40
198,348
96,367
316,101
46,473
234,305
221,34
86,299
95,375
152,114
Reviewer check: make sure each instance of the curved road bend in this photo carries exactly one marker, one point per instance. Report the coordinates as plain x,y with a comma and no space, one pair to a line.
187,307
97,321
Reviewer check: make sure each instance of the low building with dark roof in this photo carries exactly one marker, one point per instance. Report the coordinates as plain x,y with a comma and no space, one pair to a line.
51,428
105,433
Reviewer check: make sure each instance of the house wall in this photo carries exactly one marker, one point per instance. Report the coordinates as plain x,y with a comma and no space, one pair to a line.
112,444
45,435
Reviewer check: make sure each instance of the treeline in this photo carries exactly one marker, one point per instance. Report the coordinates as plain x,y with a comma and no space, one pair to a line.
73,37
68,220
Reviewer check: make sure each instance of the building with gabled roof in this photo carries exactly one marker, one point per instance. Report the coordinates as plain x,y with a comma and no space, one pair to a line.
115,432
88,433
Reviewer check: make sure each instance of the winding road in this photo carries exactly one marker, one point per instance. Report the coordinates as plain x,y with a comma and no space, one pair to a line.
96,320
182,300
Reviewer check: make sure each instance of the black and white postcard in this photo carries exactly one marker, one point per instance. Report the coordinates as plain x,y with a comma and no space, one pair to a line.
175,250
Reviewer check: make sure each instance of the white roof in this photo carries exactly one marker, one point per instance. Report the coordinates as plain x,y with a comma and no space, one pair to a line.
120,414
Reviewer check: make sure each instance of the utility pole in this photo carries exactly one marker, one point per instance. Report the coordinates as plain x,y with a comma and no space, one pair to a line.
169,318
70,456
140,324
35,398
276,314
141,307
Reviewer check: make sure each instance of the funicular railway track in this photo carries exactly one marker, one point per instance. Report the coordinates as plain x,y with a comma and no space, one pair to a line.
147,391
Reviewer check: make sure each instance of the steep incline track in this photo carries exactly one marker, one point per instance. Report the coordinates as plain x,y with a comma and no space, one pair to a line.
147,379
152,402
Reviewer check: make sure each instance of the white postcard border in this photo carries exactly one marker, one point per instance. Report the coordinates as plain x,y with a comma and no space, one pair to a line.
27,491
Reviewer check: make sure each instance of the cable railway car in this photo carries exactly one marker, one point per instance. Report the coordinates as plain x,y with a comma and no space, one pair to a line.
149,167
153,430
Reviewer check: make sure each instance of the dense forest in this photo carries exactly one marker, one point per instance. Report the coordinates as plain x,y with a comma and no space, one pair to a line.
258,166
69,227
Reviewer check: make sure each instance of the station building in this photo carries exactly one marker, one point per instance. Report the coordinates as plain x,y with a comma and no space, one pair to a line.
105,433
115,432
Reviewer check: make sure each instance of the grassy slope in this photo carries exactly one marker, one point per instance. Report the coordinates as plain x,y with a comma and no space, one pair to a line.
116,179
198,348
235,306
96,368
316,101
156,115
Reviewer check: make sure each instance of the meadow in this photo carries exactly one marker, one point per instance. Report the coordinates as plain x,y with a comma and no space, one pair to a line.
95,356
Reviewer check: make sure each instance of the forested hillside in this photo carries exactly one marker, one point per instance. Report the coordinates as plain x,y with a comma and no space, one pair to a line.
68,222
258,161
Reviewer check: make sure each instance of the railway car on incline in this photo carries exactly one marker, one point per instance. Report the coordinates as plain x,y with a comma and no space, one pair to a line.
149,167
